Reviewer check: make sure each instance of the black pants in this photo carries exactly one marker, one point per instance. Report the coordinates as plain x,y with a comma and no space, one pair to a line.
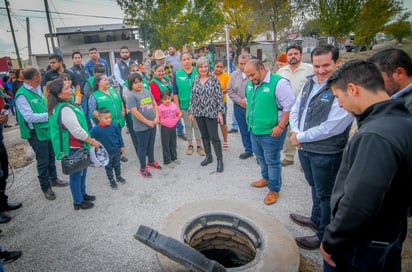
114,164
4,163
209,130
132,133
168,138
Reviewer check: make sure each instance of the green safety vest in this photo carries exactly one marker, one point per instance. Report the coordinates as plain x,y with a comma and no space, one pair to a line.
38,105
112,102
55,130
162,85
184,85
262,109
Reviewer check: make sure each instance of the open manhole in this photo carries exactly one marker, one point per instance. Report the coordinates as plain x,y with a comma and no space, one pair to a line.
222,235
224,238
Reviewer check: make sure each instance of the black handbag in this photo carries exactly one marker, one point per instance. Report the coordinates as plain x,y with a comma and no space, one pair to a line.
78,160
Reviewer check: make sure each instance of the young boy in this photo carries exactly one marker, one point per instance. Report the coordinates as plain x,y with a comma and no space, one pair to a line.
109,135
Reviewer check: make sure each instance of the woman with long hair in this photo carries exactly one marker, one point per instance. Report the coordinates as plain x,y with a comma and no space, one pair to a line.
74,135
223,78
206,106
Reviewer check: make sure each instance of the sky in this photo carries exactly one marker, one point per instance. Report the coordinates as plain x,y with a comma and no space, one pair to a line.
76,13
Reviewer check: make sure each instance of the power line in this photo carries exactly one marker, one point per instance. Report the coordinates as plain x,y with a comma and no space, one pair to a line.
67,13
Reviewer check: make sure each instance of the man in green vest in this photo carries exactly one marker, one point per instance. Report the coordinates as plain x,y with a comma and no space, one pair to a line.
269,100
34,126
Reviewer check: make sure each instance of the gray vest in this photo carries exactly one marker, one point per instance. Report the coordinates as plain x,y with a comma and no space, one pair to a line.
124,68
318,111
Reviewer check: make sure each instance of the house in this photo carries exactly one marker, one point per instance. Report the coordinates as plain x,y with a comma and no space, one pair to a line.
106,38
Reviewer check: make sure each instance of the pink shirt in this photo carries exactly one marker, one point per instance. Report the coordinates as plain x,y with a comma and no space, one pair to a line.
168,115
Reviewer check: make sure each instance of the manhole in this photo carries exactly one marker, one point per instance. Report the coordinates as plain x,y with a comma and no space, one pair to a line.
237,236
224,238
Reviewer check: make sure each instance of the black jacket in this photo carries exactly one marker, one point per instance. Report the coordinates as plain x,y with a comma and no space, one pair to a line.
373,186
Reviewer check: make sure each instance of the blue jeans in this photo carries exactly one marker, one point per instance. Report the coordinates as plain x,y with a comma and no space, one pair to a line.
85,108
46,163
240,115
180,129
267,151
145,142
234,122
78,184
320,172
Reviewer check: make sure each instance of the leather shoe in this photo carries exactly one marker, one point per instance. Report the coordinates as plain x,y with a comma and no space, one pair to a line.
303,221
49,194
308,242
59,183
245,155
84,205
260,183
4,218
87,197
182,136
208,159
286,162
219,168
10,256
11,207
271,197
232,130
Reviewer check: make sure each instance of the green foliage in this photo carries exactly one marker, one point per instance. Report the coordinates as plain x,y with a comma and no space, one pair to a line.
311,28
373,16
401,28
337,17
177,22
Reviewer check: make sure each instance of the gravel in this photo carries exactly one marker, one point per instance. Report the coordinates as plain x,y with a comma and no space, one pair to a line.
55,237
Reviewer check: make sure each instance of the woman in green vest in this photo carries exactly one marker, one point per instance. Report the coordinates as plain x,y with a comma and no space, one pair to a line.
75,134
183,80
160,82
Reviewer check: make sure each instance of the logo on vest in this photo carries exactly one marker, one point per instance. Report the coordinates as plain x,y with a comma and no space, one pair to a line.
266,90
182,78
325,97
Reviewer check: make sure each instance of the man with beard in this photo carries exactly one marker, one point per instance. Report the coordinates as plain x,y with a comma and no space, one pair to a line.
174,58
296,72
57,68
121,69
95,59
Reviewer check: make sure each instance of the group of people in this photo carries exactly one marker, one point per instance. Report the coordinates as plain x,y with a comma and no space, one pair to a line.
359,189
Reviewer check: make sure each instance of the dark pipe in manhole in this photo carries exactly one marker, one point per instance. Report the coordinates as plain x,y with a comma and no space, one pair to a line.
224,238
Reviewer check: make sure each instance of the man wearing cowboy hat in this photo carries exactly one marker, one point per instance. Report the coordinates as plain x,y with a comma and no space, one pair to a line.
160,59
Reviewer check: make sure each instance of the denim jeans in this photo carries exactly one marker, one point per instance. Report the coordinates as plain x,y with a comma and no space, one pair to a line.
78,184
114,164
234,122
320,172
146,141
85,108
267,151
46,163
180,129
240,115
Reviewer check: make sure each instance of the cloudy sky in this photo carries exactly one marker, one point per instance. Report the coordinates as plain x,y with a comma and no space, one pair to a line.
66,13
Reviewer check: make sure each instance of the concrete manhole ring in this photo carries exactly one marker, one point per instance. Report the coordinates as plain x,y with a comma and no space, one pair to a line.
259,241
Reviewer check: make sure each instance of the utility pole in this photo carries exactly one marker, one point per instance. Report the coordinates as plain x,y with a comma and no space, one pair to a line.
12,33
29,41
46,4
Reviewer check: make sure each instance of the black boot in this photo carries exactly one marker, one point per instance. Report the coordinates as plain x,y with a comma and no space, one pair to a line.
219,168
208,159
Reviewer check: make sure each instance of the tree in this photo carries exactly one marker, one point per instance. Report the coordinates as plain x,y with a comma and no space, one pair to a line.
311,28
243,26
400,29
337,17
373,16
178,22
